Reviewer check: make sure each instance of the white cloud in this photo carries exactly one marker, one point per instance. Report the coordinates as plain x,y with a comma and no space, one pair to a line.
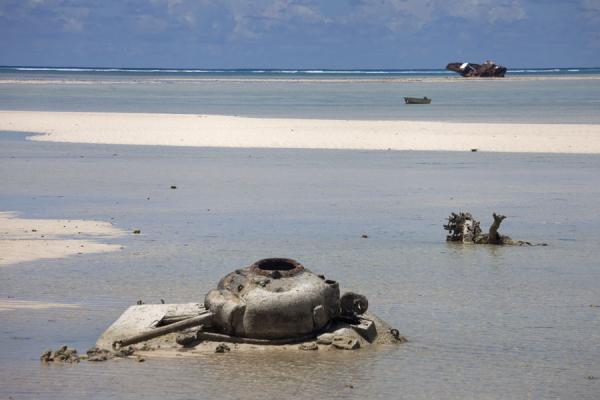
261,17
71,24
286,10
488,10
35,3
591,9
398,15
146,23
73,19
253,19
508,14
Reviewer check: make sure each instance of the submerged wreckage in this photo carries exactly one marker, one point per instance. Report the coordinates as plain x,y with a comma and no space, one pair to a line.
488,69
274,301
462,227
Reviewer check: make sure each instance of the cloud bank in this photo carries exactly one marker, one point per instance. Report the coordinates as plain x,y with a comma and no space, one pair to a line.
298,33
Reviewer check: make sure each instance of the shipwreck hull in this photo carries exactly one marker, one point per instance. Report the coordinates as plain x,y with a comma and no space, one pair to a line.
486,70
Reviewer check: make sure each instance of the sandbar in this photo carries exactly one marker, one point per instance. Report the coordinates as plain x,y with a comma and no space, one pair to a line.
12,305
246,132
24,239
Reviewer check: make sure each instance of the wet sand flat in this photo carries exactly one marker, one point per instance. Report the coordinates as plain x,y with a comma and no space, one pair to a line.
244,132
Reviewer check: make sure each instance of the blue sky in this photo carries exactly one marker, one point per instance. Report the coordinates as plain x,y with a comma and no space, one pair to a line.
299,33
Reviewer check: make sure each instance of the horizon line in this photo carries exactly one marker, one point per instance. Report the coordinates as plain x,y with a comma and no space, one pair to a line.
272,68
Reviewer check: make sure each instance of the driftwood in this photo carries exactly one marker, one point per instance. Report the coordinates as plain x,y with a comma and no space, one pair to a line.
462,227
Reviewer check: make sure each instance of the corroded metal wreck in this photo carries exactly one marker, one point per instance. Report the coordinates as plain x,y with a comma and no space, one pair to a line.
463,228
273,302
488,69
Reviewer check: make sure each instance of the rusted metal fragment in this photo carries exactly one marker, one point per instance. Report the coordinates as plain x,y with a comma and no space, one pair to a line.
462,227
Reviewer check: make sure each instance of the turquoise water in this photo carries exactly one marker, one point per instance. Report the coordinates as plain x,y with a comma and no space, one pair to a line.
456,99
316,73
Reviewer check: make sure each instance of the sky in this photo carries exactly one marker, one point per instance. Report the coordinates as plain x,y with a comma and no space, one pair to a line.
331,34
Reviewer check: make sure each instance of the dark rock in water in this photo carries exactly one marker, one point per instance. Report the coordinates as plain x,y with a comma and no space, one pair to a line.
222,348
489,69
96,354
396,334
45,357
124,352
137,232
173,187
63,354
185,339
308,346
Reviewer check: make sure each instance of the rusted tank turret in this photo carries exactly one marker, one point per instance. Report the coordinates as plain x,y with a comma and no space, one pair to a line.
274,301
488,69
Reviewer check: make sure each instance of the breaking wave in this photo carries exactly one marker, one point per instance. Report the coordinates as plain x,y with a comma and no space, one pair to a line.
275,72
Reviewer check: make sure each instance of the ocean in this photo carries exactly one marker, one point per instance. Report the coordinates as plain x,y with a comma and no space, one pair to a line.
555,95
482,322
198,72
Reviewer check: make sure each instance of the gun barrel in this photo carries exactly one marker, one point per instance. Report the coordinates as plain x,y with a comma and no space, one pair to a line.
203,319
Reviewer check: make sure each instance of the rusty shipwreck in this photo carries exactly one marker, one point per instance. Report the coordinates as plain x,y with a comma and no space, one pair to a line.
488,69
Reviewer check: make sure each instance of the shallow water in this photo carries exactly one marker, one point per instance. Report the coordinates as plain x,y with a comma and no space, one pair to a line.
459,100
483,322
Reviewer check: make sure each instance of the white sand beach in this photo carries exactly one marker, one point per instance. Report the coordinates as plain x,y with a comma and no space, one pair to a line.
244,132
24,239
